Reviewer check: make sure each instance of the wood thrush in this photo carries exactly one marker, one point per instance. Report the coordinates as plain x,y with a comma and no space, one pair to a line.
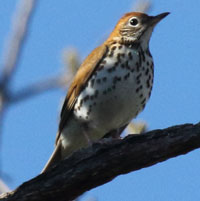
110,88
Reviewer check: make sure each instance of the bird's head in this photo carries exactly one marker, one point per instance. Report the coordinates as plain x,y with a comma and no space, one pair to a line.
135,27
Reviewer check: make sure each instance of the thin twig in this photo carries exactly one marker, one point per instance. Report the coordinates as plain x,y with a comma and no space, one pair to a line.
142,6
37,88
16,39
13,50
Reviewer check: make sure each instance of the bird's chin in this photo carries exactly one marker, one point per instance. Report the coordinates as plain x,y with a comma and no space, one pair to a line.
130,40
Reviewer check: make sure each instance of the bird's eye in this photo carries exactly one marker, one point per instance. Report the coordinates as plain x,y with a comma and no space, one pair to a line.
134,21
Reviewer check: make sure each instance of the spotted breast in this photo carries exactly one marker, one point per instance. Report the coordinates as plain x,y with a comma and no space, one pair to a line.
118,90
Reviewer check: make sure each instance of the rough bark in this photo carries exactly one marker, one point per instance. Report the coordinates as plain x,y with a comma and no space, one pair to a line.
105,160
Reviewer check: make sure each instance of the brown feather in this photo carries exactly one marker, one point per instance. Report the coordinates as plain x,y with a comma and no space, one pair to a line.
54,159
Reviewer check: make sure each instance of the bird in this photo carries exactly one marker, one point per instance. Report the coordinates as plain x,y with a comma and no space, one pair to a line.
111,87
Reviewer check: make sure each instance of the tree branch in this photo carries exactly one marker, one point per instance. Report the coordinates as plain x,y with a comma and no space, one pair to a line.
105,160
37,88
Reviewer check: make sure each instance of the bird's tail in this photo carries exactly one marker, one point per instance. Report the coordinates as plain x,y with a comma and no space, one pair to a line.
54,159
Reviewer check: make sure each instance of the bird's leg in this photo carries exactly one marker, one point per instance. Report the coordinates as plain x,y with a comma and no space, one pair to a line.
85,133
116,133
87,138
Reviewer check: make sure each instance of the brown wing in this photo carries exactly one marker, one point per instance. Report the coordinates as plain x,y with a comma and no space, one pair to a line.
81,78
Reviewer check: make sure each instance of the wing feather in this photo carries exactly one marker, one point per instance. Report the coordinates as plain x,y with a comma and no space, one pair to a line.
81,78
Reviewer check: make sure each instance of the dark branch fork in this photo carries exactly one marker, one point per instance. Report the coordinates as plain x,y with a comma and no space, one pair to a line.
103,161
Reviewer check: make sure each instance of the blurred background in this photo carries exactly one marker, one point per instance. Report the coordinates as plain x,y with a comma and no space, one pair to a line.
41,46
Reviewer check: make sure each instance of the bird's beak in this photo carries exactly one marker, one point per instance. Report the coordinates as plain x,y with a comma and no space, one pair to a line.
155,19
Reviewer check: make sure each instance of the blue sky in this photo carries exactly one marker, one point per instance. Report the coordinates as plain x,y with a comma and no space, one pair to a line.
30,127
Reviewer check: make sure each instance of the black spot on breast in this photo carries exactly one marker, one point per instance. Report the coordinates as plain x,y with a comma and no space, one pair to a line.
139,88
148,83
86,98
90,109
151,81
126,76
104,79
118,57
104,61
149,77
112,68
149,93
143,101
116,79
127,65
143,56
130,56
92,83
151,66
113,48
137,66
147,71
116,64
109,89
122,55
143,106
109,70
96,93
138,76
100,67
111,54
98,81
104,92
